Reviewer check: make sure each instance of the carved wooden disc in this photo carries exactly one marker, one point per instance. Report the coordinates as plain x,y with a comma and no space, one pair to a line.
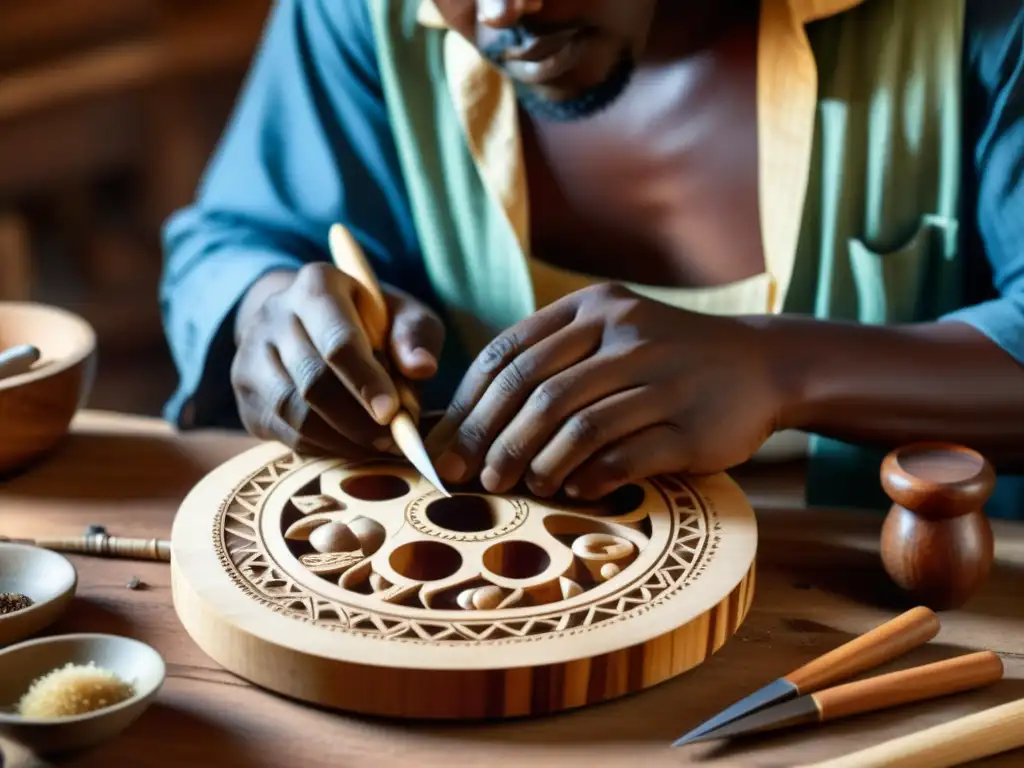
474,607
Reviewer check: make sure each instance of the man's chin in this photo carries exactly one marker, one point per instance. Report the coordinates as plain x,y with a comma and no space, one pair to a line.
564,104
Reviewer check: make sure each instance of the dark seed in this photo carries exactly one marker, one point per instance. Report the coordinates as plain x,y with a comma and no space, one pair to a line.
11,602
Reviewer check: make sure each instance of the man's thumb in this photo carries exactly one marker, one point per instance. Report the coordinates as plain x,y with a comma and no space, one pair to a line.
417,336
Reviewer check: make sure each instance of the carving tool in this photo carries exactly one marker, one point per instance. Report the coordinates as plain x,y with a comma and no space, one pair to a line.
104,545
884,643
973,737
17,360
373,311
929,681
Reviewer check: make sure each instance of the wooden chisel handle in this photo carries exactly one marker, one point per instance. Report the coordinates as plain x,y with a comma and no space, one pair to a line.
371,305
909,685
375,316
973,737
884,643
370,302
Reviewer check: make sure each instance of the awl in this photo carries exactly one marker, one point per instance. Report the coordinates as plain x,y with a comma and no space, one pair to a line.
373,311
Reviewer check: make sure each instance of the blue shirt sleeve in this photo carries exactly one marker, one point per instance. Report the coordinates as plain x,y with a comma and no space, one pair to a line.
994,73
308,145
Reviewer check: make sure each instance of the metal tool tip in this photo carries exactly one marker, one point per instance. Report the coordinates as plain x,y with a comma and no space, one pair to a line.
701,733
694,738
687,739
775,692
436,482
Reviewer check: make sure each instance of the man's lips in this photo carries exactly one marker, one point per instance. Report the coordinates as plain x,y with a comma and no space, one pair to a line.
545,58
543,47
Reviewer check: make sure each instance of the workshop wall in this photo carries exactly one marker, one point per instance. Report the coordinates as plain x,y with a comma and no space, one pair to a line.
109,110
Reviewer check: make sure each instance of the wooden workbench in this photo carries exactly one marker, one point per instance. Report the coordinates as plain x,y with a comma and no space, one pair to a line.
819,583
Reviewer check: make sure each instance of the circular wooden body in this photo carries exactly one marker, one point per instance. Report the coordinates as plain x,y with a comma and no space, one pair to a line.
473,607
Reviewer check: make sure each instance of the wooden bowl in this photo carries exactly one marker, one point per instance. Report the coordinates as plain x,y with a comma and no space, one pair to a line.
36,407
48,578
21,665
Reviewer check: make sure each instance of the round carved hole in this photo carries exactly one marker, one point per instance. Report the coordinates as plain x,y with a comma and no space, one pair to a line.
426,560
375,487
463,514
517,559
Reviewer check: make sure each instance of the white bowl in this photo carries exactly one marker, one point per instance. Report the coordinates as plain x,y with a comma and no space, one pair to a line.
20,665
46,577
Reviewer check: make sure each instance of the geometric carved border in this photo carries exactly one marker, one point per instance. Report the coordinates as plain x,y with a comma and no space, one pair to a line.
692,545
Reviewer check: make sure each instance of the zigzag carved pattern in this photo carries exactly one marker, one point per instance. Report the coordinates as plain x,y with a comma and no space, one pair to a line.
236,541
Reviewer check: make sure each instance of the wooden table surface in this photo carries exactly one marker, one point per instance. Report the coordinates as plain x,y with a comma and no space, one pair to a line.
819,584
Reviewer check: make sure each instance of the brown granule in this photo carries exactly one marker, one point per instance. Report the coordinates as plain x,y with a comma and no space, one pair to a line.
11,602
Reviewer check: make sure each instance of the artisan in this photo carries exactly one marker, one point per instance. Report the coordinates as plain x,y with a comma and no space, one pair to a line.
620,237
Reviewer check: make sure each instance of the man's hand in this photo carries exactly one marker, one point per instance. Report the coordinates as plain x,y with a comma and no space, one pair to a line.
603,388
305,374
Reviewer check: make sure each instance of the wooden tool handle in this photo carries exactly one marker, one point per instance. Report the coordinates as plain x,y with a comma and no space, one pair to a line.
892,639
918,684
373,310
974,737
101,545
370,302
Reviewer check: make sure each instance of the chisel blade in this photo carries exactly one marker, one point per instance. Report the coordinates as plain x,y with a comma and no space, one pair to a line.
774,693
801,711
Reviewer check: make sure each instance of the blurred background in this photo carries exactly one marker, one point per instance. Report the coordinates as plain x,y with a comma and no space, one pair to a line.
109,110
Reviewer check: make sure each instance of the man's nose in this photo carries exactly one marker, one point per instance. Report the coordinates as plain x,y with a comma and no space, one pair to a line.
506,13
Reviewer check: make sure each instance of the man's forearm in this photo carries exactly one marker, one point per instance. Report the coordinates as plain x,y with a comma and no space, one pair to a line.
892,385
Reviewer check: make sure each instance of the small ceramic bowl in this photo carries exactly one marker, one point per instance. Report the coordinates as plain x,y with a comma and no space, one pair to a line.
20,665
48,578
36,407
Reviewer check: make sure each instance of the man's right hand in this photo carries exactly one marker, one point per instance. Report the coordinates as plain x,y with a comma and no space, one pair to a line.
305,373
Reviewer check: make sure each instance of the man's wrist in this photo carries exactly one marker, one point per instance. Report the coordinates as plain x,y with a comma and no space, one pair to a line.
788,347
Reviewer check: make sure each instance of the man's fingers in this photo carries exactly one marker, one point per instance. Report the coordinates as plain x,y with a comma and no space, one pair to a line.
591,429
318,432
507,393
267,408
505,348
653,451
546,409
340,423
334,328
417,337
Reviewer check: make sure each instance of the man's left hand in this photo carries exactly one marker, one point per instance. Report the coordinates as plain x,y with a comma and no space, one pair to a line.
604,388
